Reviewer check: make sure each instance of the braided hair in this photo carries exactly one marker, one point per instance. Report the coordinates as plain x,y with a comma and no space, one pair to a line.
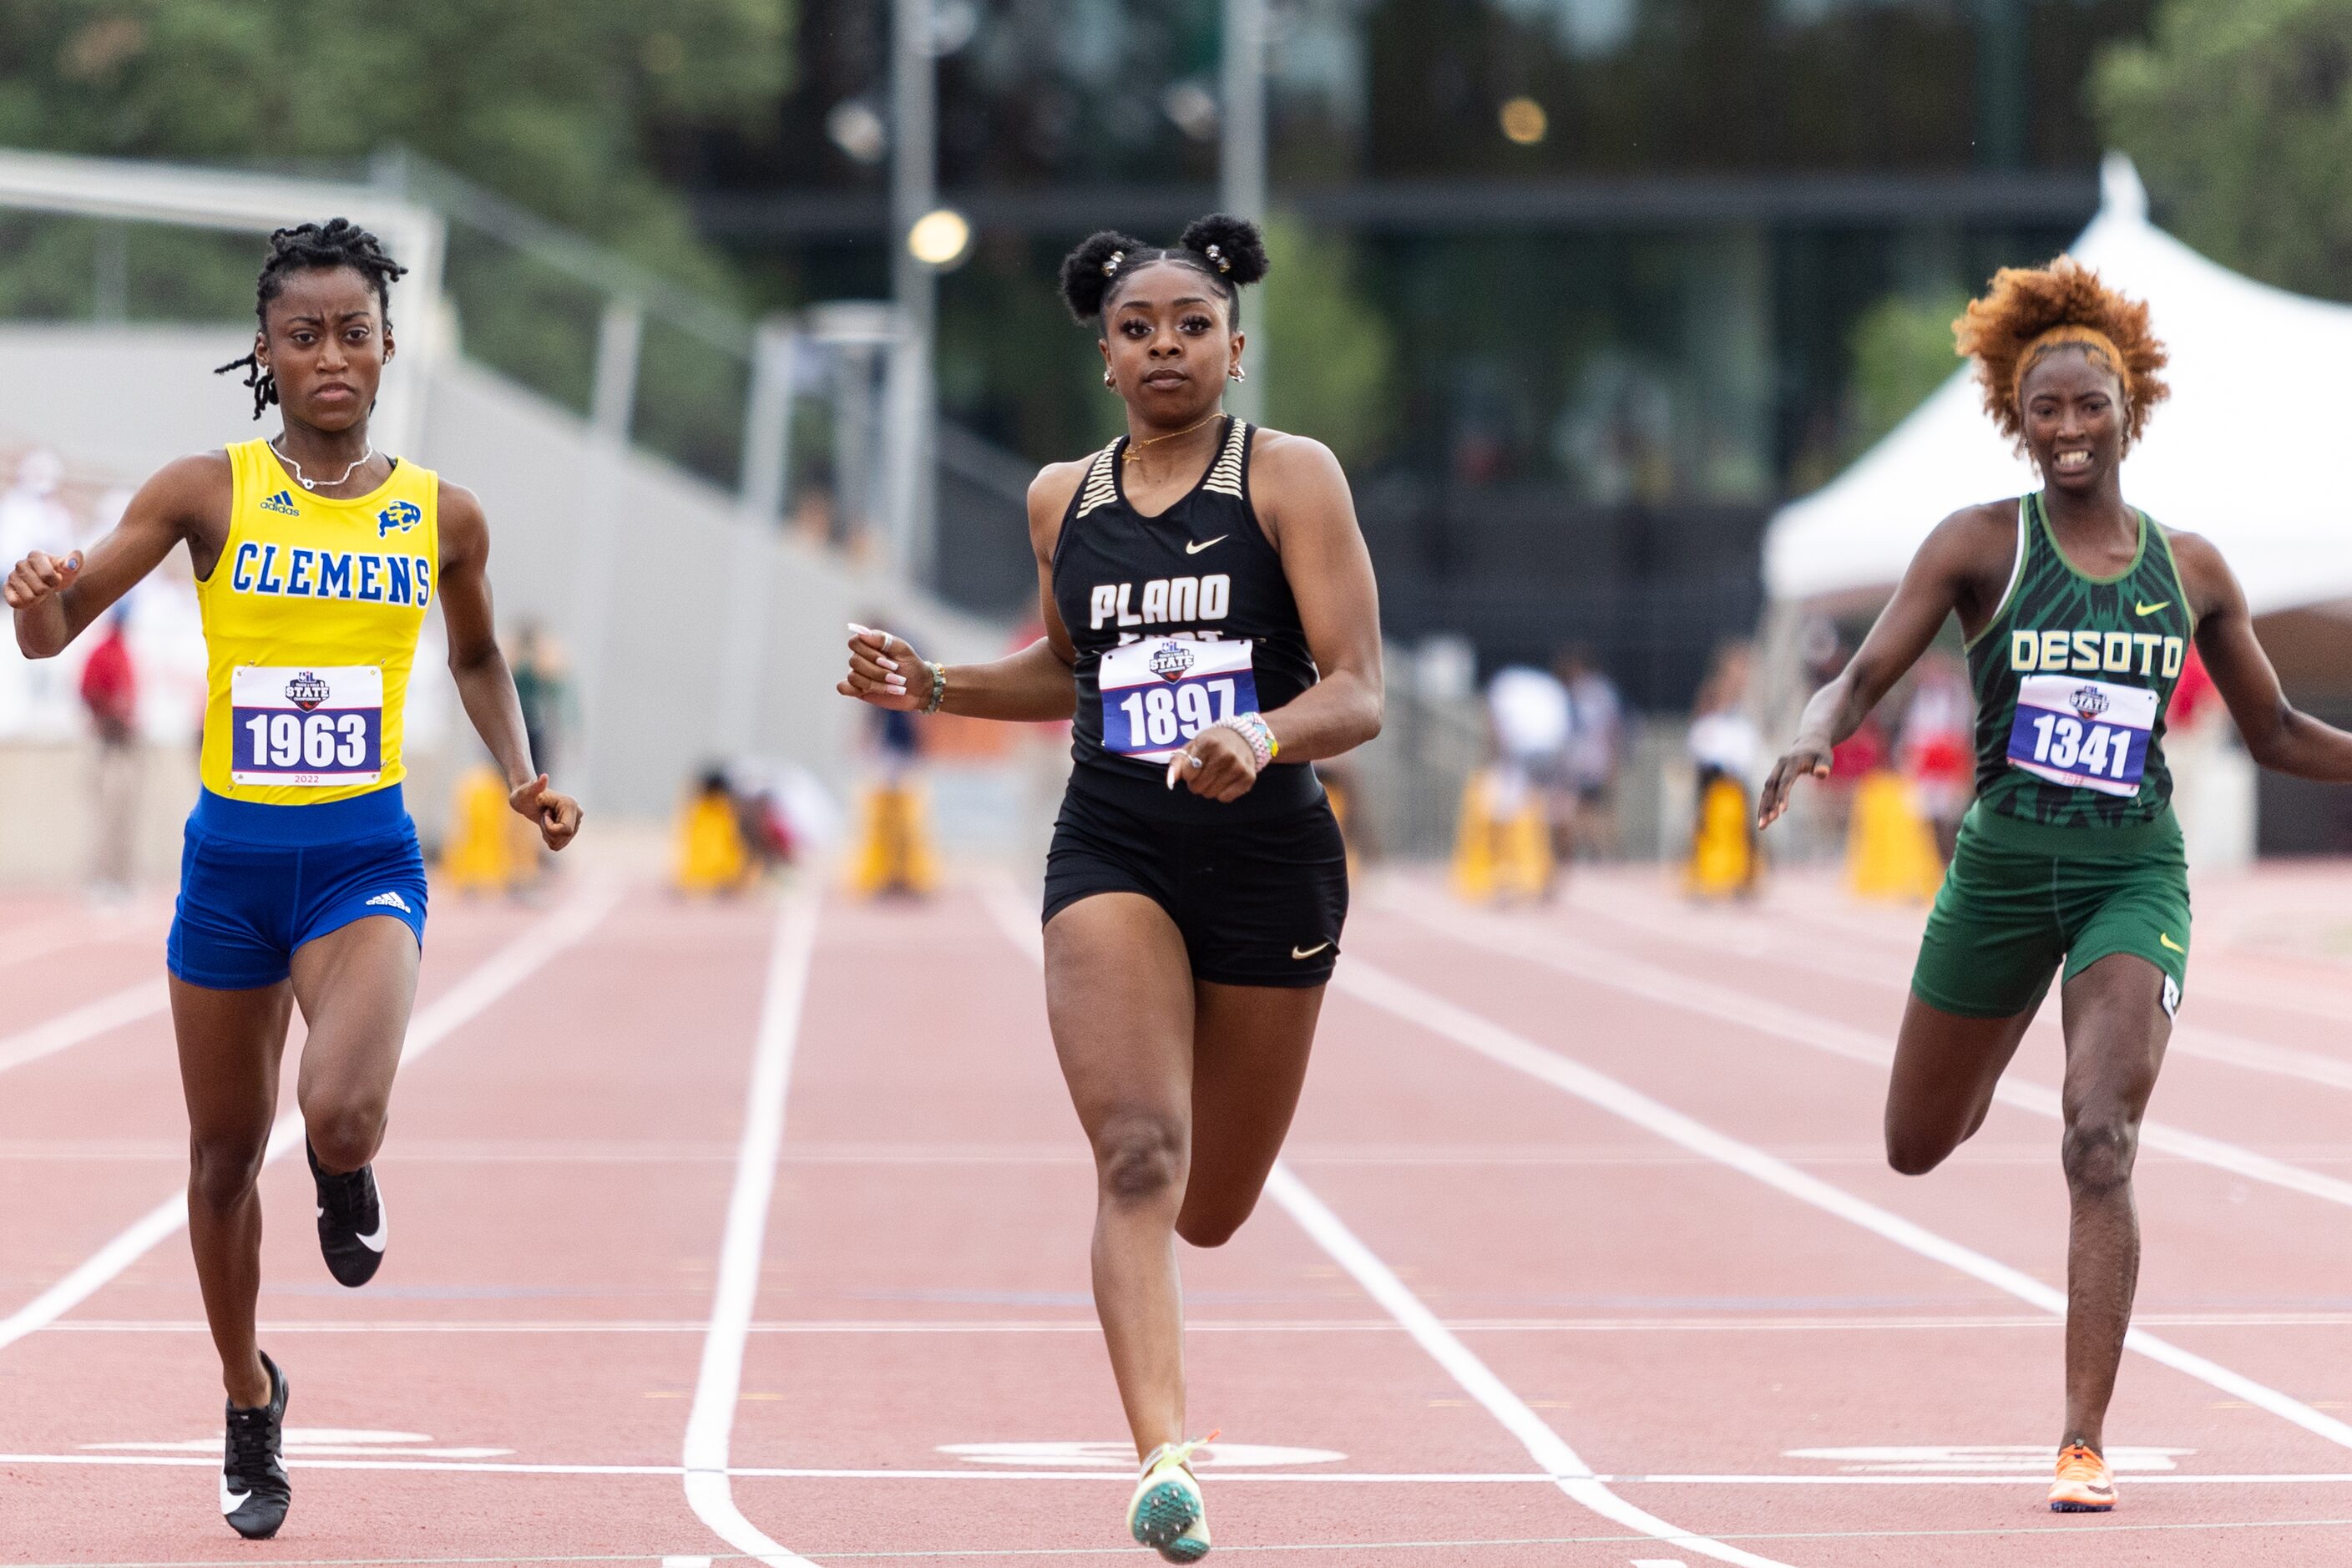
311,246
1229,252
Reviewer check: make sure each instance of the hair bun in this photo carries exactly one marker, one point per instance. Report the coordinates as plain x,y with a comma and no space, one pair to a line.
1088,271
1234,247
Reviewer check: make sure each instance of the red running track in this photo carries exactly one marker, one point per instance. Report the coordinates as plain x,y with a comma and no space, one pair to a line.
1583,1254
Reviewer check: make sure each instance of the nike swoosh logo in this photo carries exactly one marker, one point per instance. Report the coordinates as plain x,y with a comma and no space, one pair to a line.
2149,609
1195,549
2167,938
231,1501
382,1224
1308,953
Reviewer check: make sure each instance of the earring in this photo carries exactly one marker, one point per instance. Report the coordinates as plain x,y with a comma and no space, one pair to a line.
1108,382
1238,373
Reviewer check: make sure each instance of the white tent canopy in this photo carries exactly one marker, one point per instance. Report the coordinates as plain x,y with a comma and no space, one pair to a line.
2251,450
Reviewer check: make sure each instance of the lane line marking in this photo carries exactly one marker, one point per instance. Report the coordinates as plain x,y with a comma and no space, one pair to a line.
108,1013
1380,989
1747,1010
1728,1322
489,981
710,1424
1546,1446
1267,1478
1572,1475
2196,1040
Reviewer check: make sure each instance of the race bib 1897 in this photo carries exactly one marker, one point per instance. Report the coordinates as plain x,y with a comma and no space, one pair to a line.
292,725
1159,693
2091,735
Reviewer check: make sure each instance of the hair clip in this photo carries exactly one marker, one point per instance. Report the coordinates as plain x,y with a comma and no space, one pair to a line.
1111,267
1217,255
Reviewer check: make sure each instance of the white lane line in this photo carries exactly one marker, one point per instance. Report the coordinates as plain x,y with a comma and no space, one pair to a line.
1378,1281
467,999
1260,1478
1546,1446
1368,983
1748,1011
108,1013
2188,1040
710,1426
1724,1323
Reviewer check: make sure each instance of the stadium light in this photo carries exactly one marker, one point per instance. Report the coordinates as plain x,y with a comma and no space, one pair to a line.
941,239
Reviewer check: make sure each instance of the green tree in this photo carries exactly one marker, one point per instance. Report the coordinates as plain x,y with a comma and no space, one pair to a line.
558,104
2239,115
1328,349
1902,351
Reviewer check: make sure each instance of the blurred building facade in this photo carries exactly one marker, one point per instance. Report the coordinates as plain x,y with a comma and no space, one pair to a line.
1579,289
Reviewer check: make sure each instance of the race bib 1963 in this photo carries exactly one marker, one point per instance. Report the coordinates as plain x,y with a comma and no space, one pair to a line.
291,725
2091,735
1160,693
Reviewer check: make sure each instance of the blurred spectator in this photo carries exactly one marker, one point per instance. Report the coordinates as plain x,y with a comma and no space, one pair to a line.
1532,720
33,516
1725,746
541,689
1936,750
1595,741
110,692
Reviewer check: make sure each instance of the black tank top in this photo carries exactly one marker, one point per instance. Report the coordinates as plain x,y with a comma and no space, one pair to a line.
1178,620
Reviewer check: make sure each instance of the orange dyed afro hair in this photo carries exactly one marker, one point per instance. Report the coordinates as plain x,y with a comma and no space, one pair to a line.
2029,311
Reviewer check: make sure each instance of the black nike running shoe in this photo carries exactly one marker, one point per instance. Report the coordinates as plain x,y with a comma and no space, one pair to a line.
254,1491
351,1221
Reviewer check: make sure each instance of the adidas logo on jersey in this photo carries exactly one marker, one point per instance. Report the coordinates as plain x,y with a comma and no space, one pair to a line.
282,503
393,901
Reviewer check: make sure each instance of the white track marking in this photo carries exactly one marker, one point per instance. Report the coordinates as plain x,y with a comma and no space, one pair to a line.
108,1013
1719,1323
1546,1446
2188,1040
1369,985
1378,1281
1116,1478
460,1005
710,1426
1748,1011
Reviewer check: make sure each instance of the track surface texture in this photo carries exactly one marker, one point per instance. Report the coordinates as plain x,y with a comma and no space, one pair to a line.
761,1228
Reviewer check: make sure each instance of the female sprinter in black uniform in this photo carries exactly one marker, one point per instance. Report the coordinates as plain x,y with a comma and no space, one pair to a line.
300,884
1210,610
2078,610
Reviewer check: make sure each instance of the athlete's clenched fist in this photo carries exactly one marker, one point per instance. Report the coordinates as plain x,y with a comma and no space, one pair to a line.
879,668
38,575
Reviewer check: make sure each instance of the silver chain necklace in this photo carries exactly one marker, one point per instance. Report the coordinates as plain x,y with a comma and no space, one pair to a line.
308,483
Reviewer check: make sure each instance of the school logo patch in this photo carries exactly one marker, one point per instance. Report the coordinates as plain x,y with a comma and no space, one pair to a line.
1170,660
2088,701
306,692
282,503
398,518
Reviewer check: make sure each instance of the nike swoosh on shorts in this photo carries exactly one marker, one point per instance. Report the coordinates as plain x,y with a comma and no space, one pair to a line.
1308,953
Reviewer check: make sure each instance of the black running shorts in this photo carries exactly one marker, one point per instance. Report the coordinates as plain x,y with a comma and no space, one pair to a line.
1257,902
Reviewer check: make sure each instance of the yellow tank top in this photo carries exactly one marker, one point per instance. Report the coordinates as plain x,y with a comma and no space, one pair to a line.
311,620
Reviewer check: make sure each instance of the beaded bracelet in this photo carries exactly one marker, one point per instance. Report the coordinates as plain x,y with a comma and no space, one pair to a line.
939,688
1254,729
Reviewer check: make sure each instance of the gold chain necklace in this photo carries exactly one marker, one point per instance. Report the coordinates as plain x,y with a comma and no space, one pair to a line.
1135,446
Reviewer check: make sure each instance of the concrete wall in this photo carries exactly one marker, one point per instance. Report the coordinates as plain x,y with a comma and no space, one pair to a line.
119,402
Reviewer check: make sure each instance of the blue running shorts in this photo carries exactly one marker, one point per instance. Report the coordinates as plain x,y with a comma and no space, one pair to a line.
259,881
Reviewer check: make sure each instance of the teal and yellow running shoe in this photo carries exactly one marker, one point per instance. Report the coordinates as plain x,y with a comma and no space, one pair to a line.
1166,1513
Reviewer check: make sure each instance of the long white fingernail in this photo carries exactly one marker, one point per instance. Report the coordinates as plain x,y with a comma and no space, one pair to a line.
886,663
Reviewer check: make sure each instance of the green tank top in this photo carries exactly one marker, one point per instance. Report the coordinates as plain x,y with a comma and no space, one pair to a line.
2073,675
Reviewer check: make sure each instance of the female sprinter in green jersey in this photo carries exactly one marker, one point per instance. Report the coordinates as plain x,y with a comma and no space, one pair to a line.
2078,611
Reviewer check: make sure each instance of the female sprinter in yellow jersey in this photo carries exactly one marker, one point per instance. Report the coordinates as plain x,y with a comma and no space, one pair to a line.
301,883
